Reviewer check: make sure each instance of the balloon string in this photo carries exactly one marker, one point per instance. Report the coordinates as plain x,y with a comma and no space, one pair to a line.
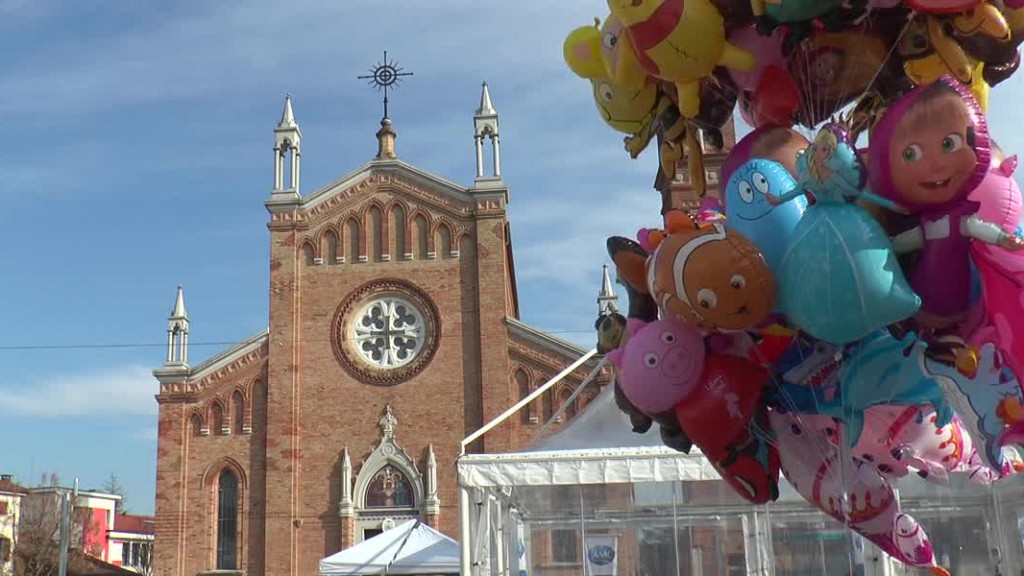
892,49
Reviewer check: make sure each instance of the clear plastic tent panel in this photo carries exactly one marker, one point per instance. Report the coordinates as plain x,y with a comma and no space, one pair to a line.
701,528
594,499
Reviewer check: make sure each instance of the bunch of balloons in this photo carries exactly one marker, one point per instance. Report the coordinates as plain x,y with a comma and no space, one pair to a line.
843,316
661,69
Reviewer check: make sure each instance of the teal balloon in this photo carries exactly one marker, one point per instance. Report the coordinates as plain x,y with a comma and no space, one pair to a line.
748,212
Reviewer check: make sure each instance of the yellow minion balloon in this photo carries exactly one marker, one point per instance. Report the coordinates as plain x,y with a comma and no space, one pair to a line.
679,41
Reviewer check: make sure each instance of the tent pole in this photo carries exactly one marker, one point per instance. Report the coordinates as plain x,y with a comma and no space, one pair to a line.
465,530
530,398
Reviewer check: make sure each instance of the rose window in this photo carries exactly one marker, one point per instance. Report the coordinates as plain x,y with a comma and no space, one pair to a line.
388,332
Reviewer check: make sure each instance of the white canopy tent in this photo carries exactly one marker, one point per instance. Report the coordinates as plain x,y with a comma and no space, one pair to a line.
409,548
599,480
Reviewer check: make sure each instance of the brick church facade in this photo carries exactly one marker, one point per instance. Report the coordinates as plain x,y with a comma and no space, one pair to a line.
393,334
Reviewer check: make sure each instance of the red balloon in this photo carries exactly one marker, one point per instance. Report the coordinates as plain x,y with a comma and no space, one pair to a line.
776,99
725,401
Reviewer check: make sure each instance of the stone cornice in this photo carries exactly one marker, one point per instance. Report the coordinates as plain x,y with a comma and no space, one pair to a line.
245,357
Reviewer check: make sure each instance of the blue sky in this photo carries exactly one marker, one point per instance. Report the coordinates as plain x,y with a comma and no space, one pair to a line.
138,156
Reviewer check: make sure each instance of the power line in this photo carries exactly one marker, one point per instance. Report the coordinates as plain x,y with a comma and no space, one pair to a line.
126,345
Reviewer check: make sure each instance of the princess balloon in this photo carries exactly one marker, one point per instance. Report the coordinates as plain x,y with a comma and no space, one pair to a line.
839,280
929,151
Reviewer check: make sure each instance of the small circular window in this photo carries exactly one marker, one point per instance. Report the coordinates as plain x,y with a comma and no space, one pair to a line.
385,332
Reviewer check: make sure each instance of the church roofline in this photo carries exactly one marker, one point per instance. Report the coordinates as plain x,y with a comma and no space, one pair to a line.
389,165
543,339
229,355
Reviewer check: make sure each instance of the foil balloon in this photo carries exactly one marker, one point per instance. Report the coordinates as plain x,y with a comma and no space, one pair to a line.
778,143
660,364
839,280
709,276
1001,270
660,31
819,472
748,212
879,370
942,6
726,419
929,151
832,68
766,49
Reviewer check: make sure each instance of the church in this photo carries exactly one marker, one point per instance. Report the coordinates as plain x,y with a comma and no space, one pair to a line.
393,334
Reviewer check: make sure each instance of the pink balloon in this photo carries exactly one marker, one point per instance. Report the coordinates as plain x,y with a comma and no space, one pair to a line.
816,468
766,49
660,364
999,195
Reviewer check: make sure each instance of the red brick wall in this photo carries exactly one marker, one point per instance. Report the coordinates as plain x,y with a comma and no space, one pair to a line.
312,407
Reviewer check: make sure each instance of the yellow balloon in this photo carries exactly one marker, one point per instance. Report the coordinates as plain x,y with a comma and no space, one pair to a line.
582,52
628,110
677,45
928,69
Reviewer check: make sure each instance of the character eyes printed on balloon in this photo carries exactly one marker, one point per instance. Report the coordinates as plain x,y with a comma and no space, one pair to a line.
931,148
668,338
651,360
707,298
605,92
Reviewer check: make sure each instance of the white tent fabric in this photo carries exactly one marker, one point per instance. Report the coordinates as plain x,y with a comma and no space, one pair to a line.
601,425
597,447
409,548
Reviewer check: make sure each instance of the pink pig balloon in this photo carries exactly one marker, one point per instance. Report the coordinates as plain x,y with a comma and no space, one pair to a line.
660,364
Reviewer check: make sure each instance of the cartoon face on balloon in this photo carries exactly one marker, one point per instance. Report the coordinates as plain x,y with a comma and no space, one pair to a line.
625,109
660,364
713,278
930,149
748,212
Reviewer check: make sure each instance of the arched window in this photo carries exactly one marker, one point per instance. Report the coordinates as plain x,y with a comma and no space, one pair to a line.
217,419
238,412
197,425
227,521
308,254
389,488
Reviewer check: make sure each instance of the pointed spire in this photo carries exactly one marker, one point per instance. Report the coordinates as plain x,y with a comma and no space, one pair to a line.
486,108
607,299
287,156
179,312
485,127
288,116
177,332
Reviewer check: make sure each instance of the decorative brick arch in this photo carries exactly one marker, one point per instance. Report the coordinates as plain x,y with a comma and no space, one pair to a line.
440,227
197,422
354,234
307,252
397,217
381,233
323,242
217,404
423,239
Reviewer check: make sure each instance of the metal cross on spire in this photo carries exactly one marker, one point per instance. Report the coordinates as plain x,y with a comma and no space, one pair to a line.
385,76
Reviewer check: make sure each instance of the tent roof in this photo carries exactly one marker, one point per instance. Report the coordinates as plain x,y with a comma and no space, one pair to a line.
597,447
409,548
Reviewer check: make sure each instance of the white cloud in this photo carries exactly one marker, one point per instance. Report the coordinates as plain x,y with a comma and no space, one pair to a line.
126,390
